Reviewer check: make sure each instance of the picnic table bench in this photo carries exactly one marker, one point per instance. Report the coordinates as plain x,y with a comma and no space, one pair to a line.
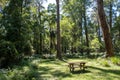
73,65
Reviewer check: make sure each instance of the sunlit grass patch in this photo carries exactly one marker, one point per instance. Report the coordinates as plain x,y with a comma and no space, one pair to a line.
47,69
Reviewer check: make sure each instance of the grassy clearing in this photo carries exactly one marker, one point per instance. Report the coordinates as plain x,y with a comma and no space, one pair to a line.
45,69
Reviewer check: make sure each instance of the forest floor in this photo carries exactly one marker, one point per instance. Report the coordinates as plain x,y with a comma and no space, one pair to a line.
47,69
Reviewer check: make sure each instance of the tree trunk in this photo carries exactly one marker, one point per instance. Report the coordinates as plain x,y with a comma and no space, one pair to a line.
50,41
105,29
110,14
86,29
81,36
59,56
99,31
119,33
40,28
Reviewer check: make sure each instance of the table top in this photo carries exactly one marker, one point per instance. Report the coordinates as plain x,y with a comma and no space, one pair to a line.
81,62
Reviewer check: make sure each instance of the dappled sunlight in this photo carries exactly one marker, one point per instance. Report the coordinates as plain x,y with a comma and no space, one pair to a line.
59,40
106,70
108,73
35,61
26,69
40,69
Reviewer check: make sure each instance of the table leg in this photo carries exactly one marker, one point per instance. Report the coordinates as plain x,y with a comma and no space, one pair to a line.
71,67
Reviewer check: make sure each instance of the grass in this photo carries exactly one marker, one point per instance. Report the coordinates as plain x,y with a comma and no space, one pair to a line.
47,69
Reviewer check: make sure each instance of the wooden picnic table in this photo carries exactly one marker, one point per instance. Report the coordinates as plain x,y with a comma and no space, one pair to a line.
73,65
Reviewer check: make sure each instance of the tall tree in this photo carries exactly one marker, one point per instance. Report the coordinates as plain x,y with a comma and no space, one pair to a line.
75,11
12,21
110,14
59,56
51,20
39,26
105,29
86,29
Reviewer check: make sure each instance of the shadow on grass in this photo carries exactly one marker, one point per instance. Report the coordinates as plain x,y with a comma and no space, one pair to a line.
58,73
116,72
51,71
44,70
34,73
55,62
80,72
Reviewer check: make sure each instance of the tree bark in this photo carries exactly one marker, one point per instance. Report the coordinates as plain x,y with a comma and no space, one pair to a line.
110,14
86,29
40,28
59,56
105,29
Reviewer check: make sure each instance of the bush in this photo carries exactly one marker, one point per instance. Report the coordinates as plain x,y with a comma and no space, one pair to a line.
95,44
115,60
106,64
2,76
8,53
28,49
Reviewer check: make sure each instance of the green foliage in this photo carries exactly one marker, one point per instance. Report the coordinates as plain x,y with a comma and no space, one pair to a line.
95,44
115,60
28,49
58,70
8,53
27,27
3,76
104,62
116,31
31,74
66,28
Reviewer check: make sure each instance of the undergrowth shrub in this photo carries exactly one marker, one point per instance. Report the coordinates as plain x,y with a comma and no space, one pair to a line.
115,60
8,53
3,77
31,74
104,62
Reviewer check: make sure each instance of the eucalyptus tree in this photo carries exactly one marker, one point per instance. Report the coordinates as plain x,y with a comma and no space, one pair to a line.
52,28
77,10
111,9
73,10
85,25
66,28
59,54
110,13
105,29
38,30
